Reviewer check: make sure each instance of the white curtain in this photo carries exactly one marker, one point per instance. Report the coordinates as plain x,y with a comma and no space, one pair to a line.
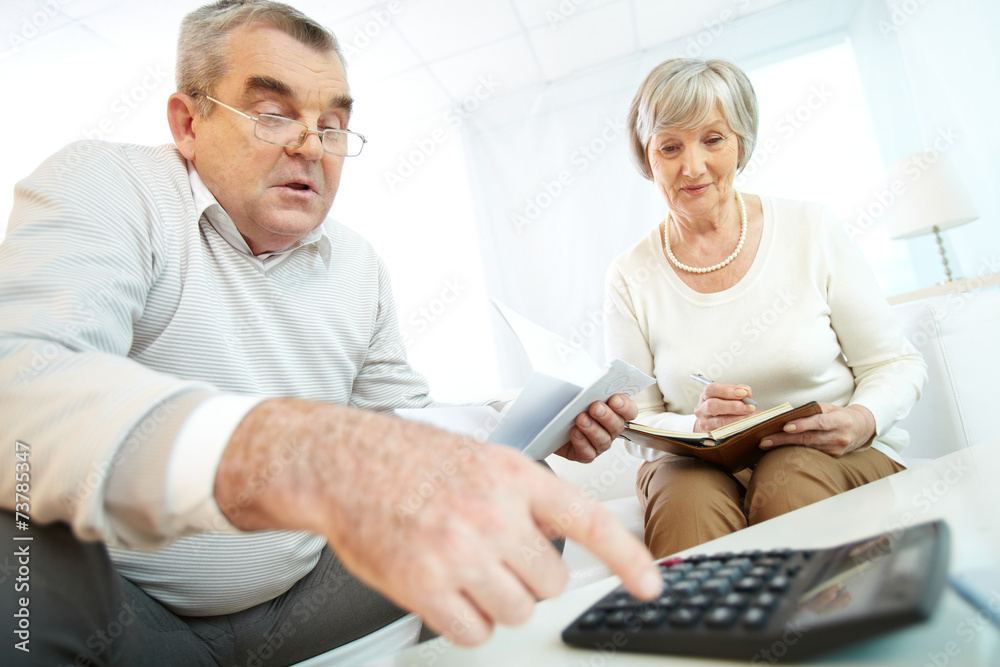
556,200
931,72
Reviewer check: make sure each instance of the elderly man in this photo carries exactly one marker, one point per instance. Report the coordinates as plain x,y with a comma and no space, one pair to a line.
194,363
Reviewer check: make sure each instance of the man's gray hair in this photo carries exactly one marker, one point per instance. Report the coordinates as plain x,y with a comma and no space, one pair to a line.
202,53
683,93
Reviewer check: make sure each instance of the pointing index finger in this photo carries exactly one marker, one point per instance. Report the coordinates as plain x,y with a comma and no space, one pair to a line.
596,528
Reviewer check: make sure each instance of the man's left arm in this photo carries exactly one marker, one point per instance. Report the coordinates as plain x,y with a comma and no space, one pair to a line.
387,381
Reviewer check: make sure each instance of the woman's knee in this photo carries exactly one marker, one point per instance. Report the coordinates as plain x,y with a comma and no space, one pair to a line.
788,478
680,477
688,502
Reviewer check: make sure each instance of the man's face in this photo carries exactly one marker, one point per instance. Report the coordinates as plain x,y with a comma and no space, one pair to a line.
275,195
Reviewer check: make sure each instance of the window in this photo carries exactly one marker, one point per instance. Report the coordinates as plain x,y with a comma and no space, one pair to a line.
816,142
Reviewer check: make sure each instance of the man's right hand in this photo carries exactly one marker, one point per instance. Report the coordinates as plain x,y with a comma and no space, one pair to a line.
455,530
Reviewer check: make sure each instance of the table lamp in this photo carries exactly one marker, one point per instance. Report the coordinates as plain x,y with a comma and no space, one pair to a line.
932,199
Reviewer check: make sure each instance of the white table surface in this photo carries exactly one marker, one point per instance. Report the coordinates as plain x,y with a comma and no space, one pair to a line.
963,488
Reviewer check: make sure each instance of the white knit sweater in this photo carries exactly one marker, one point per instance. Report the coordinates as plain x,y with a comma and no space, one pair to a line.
806,323
123,308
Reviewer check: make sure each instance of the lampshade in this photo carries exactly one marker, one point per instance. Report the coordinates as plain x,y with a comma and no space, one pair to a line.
930,194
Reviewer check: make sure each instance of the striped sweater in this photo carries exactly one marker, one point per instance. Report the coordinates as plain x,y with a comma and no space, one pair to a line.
123,308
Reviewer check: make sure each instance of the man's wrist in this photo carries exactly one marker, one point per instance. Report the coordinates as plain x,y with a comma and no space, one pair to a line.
287,462
252,465
198,449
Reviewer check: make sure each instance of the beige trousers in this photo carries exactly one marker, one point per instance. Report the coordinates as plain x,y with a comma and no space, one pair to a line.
687,501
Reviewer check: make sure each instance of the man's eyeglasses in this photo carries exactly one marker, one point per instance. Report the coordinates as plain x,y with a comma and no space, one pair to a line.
289,133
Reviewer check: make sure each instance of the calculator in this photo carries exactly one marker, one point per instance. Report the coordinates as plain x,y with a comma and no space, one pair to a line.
766,606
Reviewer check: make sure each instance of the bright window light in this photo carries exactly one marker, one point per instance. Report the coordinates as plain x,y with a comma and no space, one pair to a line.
816,142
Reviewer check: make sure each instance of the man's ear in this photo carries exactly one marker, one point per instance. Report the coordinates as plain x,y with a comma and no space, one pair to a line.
181,114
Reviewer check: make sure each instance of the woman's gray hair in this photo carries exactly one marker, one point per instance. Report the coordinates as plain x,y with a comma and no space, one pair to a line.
682,93
202,49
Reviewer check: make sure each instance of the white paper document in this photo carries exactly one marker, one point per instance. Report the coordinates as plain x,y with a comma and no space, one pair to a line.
477,421
565,380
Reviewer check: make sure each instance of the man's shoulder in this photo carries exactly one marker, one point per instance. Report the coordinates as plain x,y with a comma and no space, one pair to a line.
113,150
103,162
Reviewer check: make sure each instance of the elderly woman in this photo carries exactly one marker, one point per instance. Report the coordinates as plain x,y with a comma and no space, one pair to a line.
768,297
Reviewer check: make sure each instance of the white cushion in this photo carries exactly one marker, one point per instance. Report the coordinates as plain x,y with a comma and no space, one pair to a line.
611,475
958,334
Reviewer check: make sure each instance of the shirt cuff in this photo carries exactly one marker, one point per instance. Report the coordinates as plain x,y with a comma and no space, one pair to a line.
197,451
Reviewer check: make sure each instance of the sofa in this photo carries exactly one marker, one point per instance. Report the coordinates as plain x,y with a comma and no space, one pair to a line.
957,329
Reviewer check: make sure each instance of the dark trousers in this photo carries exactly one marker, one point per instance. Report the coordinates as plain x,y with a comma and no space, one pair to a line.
80,611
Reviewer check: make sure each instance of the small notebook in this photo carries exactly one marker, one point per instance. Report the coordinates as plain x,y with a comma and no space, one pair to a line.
734,446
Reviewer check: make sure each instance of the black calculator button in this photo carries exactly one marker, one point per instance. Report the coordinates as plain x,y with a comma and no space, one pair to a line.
670,576
760,571
667,600
735,600
716,586
684,617
721,617
779,584
765,601
651,616
700,601
590,620
680,567
698,575
748,584
755,618
685,587
620,600
741,564
618,618
731,573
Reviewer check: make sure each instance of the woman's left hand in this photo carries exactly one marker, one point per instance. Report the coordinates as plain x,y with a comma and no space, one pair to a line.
835,431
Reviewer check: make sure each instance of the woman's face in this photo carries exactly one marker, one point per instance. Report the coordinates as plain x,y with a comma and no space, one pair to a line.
694,169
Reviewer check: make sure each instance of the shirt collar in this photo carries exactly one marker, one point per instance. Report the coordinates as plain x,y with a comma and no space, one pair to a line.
207,205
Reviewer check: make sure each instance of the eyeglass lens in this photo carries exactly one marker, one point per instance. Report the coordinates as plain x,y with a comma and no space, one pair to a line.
288,132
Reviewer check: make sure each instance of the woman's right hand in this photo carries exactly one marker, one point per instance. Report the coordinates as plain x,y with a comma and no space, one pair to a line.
721,404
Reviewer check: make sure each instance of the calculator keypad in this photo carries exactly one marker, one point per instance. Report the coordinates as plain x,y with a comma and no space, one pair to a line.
718,592
746,605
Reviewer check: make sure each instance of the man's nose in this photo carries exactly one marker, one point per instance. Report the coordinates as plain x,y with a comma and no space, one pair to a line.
312,145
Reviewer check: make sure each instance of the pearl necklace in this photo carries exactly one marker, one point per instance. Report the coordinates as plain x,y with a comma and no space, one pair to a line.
714,267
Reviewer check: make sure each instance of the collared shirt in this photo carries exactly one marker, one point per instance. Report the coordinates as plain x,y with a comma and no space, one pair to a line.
209,207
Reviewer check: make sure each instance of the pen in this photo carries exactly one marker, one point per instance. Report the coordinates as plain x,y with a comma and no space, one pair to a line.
698,377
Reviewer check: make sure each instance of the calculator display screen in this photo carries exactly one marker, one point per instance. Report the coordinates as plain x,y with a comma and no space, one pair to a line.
853,583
